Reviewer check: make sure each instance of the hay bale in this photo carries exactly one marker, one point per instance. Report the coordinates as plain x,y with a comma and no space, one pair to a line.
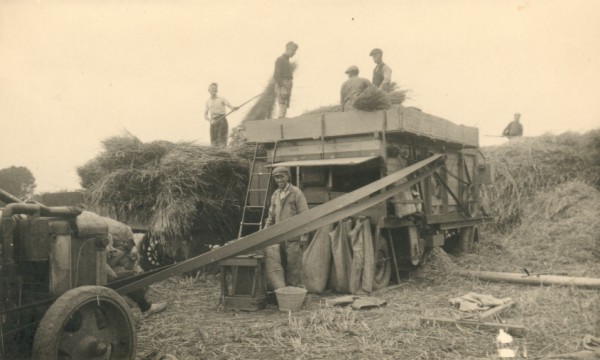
170,187
559,230
372,99
524,166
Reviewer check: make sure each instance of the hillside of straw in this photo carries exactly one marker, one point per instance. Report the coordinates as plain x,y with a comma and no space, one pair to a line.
525,166
171,188
551,225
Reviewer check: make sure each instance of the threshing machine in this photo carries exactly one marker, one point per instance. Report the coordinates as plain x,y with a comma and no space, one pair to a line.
416,176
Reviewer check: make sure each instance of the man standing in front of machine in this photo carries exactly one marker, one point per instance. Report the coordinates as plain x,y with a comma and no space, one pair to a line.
283,76
286,202
382,74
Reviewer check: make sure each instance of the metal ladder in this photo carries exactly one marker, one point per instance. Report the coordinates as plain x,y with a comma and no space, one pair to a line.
244,224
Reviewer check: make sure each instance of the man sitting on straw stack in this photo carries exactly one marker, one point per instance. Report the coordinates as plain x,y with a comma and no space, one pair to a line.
352,88
514,128
286,202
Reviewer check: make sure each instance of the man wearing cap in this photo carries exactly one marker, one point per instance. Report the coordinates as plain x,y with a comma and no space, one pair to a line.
286,202
514,128
352,88
382,74
215,114
283,76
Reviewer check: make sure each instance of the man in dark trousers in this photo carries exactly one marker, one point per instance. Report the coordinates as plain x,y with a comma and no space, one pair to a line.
382,74
286,202
352,88
215,114
283,76
514,128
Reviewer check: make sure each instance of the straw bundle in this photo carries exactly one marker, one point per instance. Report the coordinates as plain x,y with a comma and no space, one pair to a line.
171,187
526,165
372,99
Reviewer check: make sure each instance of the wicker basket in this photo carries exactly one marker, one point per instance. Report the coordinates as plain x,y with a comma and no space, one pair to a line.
290,298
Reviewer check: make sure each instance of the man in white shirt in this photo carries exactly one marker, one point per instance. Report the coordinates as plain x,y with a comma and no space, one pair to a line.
215,114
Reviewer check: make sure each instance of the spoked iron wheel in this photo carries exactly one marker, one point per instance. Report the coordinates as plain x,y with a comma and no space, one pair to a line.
88,322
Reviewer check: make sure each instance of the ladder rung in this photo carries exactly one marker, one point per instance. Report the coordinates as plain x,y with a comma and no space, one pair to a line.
261,157
261,173
255,206
255,224
257,190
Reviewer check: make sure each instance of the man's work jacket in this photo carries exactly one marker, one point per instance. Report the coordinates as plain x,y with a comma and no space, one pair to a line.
292,203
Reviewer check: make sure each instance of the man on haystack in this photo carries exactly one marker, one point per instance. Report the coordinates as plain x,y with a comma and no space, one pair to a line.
283,76
514,128
286,202
352,88
215,114
382,74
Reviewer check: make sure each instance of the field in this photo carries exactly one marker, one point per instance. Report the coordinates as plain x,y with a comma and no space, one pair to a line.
559,232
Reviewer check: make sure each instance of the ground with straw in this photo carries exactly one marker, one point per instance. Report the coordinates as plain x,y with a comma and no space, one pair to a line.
556,231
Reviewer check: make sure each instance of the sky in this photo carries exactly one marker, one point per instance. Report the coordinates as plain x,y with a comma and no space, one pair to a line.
73,73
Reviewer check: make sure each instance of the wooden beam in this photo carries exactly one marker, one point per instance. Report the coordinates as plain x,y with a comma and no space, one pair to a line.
513,329
496,310
590,283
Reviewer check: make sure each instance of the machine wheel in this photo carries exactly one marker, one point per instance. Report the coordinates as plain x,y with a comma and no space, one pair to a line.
88,322
383,263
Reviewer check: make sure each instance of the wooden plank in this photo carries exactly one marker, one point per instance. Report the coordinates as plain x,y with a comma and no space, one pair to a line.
496,310
353,122
303,127
263,130
590,283
315,218
403,119
513,329
370,147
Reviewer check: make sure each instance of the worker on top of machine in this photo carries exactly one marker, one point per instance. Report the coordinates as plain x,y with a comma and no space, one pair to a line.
283,76
382,74
514,128
286,202
215,114
352,88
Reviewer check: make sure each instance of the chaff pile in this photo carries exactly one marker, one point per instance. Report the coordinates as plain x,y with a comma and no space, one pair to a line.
524,166
170,187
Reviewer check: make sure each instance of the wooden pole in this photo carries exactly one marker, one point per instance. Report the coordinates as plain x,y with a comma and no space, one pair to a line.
513,329
590,283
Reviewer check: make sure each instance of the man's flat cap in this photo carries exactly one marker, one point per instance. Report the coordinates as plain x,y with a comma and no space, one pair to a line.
352,69
375,52
281,170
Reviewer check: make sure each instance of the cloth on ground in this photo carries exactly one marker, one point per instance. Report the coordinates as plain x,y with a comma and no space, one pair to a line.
474,301
357,302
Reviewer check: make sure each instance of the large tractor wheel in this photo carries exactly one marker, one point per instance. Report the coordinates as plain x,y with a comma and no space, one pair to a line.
88,322
383,262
